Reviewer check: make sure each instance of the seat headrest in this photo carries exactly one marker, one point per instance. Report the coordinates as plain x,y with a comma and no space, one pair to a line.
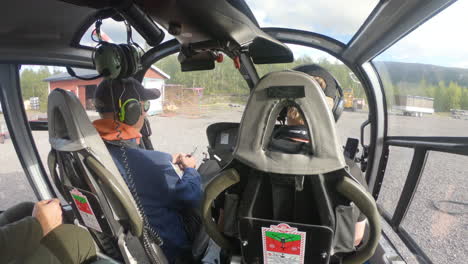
69,126
272,93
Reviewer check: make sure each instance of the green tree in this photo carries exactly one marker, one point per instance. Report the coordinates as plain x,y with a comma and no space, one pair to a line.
32,85
422,89
464,99
441,103
454,93
225,79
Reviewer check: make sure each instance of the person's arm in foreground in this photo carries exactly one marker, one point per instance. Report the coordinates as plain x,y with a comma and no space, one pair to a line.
359,229
22,237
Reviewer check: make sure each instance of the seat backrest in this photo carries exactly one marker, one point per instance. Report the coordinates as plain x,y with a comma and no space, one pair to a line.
88,178
281,205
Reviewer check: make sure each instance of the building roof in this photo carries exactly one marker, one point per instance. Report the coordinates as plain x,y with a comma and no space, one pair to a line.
157,70
87,73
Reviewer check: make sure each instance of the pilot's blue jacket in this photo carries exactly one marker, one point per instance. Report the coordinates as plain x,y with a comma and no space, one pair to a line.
162,192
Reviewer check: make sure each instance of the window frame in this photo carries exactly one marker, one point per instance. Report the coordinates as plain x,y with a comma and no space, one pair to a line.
20,132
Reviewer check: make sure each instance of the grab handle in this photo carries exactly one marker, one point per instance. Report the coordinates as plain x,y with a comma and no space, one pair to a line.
366,204
213,189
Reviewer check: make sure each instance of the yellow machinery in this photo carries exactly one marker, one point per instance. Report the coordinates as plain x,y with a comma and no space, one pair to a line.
352,103
348,98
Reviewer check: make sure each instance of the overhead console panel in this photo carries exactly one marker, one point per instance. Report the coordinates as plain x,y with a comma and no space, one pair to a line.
204,20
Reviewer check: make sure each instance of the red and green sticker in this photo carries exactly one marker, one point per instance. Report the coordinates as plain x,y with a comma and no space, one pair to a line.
86,212
283,244
82,204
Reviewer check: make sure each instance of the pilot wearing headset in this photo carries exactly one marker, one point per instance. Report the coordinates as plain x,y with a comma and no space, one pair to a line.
166,197
293,138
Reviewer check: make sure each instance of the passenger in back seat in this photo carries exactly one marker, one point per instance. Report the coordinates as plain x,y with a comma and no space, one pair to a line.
169,200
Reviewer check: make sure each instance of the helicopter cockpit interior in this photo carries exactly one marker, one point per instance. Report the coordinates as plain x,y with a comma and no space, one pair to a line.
377,132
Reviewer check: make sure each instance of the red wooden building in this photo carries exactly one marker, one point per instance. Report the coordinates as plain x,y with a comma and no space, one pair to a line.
84,90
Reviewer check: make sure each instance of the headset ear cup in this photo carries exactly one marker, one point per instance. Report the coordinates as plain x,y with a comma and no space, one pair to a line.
123,61
131,58
339,102
128,61
135,58
120,63
107,60
338,108
130,112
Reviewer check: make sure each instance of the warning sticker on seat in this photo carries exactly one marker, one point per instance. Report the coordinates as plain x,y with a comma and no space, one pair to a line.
224,138
86,212
283,244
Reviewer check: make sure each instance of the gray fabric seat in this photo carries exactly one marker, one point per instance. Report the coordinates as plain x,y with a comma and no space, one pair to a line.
262,188
89,180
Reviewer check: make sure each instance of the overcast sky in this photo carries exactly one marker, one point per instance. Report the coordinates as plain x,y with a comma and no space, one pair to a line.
443,40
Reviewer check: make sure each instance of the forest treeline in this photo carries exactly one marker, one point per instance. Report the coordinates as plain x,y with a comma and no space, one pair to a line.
446,85
226,80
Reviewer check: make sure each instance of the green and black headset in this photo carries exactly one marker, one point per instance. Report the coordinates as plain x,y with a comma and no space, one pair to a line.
117,62
130,110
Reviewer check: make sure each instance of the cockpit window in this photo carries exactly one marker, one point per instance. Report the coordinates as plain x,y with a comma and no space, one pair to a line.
192,101
334,18
425,80
14,186
425,75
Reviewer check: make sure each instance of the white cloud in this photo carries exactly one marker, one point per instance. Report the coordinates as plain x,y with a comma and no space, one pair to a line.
442,40
335,17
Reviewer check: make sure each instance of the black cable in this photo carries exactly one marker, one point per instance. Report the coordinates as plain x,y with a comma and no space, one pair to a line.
131,185
149,234
437,206
129,32
97,29
92,36
73,74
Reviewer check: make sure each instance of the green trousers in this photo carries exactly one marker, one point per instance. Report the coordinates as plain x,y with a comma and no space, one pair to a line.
65,244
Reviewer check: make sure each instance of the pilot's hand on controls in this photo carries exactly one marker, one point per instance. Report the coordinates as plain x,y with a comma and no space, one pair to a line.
49,214
176,158
184,161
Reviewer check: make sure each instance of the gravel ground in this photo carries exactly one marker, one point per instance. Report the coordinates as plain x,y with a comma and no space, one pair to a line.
444,237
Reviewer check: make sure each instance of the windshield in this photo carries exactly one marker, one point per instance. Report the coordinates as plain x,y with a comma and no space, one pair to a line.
426,73
425,80
334,18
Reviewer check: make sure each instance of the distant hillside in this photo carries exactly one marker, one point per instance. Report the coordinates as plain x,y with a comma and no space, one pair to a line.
448,86
400,72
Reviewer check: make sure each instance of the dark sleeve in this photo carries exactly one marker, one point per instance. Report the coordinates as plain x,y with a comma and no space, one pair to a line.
20,238
188,190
